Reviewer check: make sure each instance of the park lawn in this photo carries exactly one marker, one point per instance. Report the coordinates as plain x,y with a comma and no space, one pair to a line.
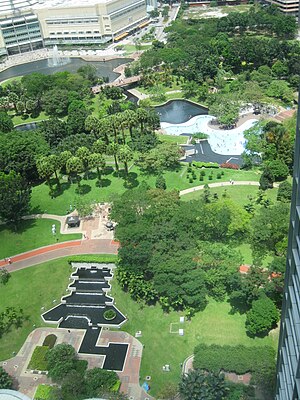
31,234
173,139
43,392
246,252
214,325
18,120
31,289
239,194
113,185
131,48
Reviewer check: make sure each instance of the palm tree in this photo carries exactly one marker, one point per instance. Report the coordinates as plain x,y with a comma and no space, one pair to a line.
131,120
142,117
55,163
74,166
112,149
45,169
125,155
100,146
96,160
83,153
202,385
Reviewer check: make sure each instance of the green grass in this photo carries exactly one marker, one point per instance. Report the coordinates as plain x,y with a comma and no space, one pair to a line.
31,289
43,392
114,185
173,139
30,235
239,194
130,48
246,252
214,325
36,287
10,80
17,119
38,359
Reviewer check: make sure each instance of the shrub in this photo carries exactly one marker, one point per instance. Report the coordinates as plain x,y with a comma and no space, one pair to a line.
201,178
109,315
279,170
191,180
50,341
284,191
202,172
96,258
201,164
262,317
38,359
229,166
219,176
210,177
239,359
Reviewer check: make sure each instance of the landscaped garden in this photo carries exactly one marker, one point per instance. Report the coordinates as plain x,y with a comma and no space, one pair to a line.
31,234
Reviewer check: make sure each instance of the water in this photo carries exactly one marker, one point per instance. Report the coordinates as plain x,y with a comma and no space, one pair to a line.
56,60
179,111
104,69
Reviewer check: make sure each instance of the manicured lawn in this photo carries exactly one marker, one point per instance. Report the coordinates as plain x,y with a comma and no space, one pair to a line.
239,194
214,325
113,185
43,392
36,287
246,252
173,139
31,289
31,234
17,119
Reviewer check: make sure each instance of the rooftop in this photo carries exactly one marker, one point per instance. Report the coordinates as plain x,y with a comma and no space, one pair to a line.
6,394
13,6
67,3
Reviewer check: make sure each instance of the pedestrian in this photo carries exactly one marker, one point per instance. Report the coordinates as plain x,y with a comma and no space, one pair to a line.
9,260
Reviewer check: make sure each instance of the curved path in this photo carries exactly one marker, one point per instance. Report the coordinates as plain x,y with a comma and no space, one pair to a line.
221,184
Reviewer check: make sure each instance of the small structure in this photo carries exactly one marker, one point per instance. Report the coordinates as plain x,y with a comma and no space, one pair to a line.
181,320
109,225
180,331
138,334
73,221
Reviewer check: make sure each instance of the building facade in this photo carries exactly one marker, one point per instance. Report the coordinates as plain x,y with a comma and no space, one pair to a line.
290,7
288,360
31,24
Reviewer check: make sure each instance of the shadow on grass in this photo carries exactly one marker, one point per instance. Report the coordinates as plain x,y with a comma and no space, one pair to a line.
18,228
90,176
58,191
131,180
108,170
83,189
103,183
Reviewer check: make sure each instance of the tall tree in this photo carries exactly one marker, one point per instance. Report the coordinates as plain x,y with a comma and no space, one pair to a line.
125,155
14,197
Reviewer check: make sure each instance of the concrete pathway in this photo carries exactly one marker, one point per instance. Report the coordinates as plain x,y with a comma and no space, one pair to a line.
219,184
28,380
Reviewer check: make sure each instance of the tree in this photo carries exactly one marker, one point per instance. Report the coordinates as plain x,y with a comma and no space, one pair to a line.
53,130
74,166
160,182
97,161
279,170
4,276
100,381
113,149
266,180
284,191
61,360
262,317
83,207
125,155
202,385
73,385
55,102
45,169
83,154
15,196
77,114
6,381
6,124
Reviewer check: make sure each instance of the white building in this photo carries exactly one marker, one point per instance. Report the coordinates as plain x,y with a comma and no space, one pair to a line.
31,24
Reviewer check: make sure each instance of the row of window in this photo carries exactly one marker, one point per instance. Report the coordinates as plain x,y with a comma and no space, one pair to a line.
120,13
21,28
27,33
71,21
72,33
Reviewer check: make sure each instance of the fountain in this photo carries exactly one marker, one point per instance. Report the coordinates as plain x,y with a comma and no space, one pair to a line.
57,60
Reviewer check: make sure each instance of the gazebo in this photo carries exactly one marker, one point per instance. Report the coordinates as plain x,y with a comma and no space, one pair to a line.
73,221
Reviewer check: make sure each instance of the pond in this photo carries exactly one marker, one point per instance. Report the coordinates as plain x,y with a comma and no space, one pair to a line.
179,111
104,68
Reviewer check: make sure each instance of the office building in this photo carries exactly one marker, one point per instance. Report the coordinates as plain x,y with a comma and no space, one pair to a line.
31,24
288,360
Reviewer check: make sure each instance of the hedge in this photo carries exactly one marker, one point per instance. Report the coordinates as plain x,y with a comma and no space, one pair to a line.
38,360
93,258
202,164
230,165
239,359
50,341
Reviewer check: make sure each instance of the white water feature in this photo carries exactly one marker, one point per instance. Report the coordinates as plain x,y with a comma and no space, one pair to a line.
56,59
221,141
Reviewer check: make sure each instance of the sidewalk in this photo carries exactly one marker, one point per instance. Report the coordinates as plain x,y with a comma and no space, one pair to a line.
220,184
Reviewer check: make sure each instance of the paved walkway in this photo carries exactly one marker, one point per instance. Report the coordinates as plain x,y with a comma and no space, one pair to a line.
28,380
219,184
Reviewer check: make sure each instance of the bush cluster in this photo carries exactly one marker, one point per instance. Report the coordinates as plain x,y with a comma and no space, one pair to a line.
229,166
93,258
202,164
50,341
239,359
